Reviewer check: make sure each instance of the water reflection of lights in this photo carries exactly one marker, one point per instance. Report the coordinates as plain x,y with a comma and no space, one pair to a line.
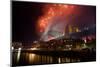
59,60
31,57
67,59
18,55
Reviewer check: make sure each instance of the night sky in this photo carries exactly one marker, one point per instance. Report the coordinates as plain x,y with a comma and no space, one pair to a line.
24,17
26,14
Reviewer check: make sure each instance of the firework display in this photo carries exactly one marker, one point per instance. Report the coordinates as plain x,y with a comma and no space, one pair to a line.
52,33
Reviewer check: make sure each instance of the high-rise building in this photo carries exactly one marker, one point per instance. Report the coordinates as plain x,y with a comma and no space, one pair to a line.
70,29
73,29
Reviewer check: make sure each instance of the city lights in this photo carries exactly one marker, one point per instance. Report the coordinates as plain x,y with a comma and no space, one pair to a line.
34,48
50,33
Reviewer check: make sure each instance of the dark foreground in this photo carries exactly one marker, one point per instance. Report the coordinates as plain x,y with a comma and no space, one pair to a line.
37,57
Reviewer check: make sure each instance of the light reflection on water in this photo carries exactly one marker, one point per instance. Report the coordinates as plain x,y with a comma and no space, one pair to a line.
59,60
31,59
18,54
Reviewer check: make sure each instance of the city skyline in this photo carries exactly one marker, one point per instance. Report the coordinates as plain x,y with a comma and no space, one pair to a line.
52,33
27,15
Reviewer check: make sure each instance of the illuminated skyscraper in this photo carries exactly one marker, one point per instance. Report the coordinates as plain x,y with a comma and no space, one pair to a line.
73,29
76,29
70,29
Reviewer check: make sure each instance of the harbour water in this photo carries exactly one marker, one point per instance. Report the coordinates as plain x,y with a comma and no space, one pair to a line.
30,58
